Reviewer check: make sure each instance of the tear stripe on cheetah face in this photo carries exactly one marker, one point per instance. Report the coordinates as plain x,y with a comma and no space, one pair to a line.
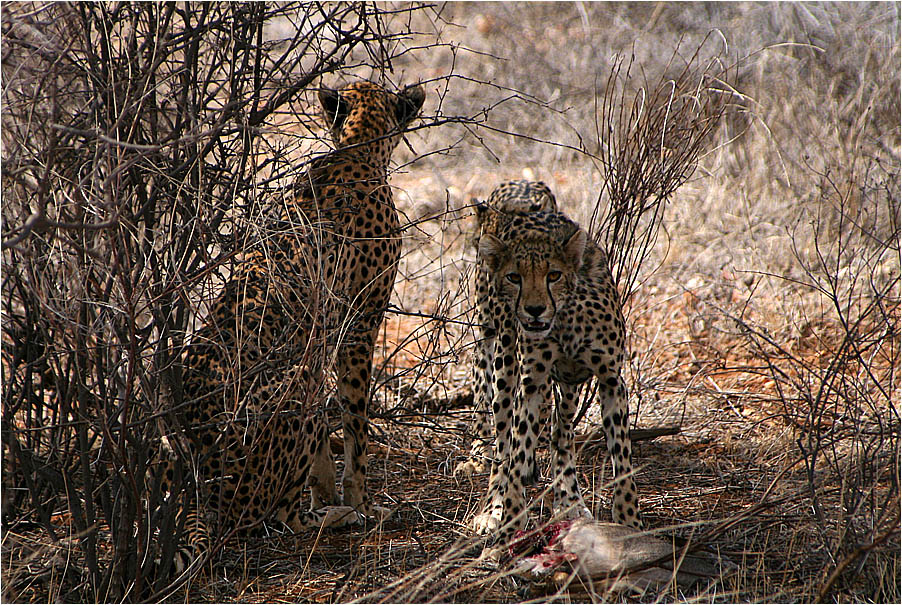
537,280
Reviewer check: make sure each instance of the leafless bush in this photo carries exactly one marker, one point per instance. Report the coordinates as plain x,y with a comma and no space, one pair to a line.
650,137
137,151
838,383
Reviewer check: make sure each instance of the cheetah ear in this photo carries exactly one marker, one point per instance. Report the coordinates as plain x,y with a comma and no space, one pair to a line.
491,250
335,108
575,247
482,210
410,101
546,191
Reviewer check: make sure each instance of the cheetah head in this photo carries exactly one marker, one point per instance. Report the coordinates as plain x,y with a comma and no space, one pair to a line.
534,275
365,114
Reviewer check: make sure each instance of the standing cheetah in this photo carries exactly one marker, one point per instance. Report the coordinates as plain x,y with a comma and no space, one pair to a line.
556,313
510,197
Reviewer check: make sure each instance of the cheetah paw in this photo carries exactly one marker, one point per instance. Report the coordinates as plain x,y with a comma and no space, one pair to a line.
340,516
486,523
470,467
491,556
573,512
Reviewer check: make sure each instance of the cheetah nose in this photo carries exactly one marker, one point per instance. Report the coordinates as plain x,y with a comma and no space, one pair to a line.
535,310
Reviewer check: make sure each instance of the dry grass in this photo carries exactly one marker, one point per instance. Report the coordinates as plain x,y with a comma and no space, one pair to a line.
765,320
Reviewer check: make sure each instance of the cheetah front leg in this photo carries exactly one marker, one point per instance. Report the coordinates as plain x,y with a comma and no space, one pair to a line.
535,359
355,365
321,476
503,376
316,469
536,398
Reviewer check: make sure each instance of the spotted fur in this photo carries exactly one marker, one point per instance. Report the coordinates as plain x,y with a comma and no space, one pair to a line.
556,317
510,197
323,279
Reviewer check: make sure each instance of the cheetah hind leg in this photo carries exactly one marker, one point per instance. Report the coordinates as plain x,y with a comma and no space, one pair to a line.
615,413
481,449
309,443
325,509
326,512
568,501
482,445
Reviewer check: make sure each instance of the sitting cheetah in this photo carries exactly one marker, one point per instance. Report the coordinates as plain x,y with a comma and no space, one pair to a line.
330,263
511,197
557,315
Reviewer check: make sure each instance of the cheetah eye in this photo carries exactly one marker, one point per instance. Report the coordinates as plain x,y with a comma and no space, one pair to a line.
553,276
513,278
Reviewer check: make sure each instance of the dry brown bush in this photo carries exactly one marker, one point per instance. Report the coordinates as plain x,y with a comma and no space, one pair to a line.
136,167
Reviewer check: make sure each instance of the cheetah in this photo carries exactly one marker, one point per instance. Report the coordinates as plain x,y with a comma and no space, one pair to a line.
510,197
557,317
324,279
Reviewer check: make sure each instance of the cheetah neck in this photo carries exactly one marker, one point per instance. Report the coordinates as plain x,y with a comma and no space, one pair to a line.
327,189
375,154
369,167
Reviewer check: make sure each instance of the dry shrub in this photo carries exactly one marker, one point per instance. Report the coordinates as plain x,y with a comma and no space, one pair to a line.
838,385
650,139
136,168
